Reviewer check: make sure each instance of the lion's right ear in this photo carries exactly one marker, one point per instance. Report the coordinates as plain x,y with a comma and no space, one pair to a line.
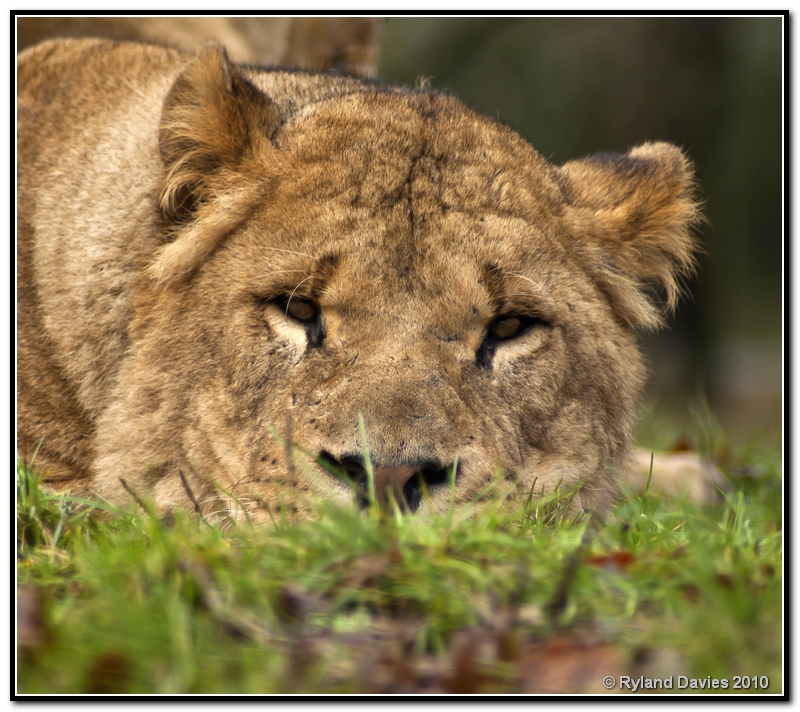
214,141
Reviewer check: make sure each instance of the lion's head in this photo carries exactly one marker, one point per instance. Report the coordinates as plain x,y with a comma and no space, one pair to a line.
385,254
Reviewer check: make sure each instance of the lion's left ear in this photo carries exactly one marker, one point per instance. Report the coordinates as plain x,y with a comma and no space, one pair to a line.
214,141
635,213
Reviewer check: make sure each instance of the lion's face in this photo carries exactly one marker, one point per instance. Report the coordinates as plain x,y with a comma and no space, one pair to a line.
405,270
305,252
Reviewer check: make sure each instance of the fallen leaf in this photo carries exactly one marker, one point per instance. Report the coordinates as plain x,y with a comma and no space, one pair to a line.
725,580
468,650
33,625
613,559
368,568
768,570
566,665
691,592
297,605
388,675
109,674
682,444
680,551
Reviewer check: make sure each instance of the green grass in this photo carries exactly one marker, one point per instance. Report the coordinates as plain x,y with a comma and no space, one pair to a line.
502,599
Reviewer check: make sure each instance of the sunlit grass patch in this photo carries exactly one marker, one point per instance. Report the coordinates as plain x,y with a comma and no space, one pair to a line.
495,598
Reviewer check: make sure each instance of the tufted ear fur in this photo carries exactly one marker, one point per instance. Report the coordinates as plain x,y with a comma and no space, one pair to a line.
214,141
636,213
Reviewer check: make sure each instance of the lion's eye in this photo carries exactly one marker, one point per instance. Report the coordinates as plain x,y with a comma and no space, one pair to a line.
507,327
301,309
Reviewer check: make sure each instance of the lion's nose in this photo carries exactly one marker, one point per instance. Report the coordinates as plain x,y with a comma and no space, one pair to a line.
389,479
403,483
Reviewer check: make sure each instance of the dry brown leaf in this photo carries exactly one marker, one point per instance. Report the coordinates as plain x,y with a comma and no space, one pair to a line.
611,560
297,605
368,569
33,626
566,665
691,592
725,580
768,570
682,444
109,674
470,650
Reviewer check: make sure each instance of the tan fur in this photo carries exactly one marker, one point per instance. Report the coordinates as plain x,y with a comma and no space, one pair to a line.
319,43
171,208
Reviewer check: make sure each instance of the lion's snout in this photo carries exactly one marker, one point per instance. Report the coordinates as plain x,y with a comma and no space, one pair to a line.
406,484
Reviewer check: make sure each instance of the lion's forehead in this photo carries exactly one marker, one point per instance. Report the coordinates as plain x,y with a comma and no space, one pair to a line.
429,151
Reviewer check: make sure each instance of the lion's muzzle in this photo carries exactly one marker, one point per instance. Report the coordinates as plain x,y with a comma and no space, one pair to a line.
406,484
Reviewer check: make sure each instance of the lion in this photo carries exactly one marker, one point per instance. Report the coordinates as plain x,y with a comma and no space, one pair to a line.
248,290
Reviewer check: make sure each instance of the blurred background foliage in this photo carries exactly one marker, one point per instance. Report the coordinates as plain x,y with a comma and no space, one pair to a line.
713,85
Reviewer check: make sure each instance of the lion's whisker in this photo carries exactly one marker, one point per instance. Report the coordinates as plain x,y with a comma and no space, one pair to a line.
289,300
527,279
291,252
